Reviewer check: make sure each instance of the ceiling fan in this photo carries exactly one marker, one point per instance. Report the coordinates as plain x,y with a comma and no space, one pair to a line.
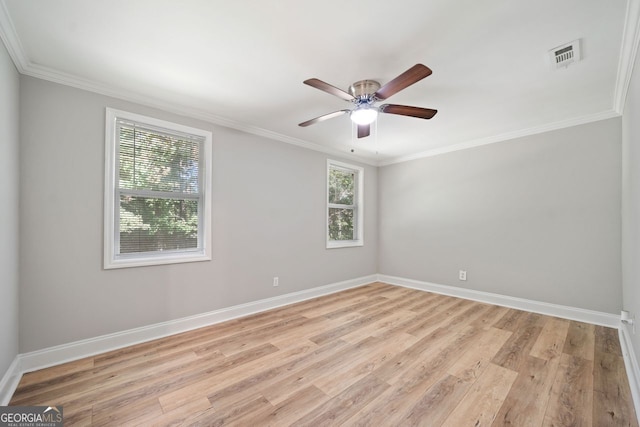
365,93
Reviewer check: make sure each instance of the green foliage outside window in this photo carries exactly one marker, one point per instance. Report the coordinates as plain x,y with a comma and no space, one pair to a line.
341,192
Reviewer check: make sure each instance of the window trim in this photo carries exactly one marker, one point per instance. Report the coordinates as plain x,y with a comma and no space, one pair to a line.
111,192
358,206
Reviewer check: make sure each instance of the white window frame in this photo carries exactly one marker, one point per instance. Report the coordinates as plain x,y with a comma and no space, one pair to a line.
112,259
358,207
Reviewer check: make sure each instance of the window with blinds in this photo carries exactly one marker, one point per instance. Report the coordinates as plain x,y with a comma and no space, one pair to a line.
158,192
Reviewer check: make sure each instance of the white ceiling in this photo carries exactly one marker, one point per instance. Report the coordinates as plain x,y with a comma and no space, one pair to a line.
241,63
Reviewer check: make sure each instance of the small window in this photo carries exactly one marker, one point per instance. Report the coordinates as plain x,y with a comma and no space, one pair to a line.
344,205
157,192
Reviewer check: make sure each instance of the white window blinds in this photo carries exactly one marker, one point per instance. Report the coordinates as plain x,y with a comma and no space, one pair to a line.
159,191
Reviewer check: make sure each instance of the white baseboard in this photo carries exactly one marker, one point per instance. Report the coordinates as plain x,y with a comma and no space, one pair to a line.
77,350
631,365
565,312
9,381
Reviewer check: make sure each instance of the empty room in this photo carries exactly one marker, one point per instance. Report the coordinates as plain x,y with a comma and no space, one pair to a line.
350,212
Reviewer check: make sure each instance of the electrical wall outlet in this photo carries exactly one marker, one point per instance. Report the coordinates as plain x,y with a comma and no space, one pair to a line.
462,275
275,281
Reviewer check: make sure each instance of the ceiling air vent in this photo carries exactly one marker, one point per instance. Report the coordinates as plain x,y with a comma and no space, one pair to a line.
563,56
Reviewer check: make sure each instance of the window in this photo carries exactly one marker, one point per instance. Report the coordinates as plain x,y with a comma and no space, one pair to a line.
344,205
157,192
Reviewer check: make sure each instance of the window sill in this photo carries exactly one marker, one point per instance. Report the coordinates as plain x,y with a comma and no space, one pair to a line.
142,261
334,244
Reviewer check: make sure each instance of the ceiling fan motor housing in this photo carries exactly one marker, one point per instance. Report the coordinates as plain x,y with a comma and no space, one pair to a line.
364,89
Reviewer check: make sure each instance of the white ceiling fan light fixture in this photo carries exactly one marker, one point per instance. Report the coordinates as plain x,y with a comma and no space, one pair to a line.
363,93
364,115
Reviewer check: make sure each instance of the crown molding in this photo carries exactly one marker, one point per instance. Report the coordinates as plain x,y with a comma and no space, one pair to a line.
505,137
66,79
24,66
10,39
628,52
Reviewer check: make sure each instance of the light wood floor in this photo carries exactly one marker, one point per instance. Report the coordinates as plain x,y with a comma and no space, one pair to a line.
377,355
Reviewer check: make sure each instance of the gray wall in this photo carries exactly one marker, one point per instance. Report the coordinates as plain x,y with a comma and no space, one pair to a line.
631,203
9,194
536,217
268,220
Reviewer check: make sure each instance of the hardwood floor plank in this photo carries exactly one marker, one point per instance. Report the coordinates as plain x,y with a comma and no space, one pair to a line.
176,416
472,363
612,396
138,413
580,340
396,366
571,393
251,338
490,317
54,373
208,381
404,299
290,384
223,395
425,301
352,370
342,407
606,339
379,327
481,404
437,403
526,403
517,348
439,316
510,320
231,415
349,327
294,336
470,314
290,410
550,343
342,307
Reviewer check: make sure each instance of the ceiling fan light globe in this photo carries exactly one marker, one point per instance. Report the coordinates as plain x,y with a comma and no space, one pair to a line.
364,116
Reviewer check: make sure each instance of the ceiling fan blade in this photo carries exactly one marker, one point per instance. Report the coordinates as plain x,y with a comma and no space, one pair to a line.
405,110
326,87
406,79
324,117
364,130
